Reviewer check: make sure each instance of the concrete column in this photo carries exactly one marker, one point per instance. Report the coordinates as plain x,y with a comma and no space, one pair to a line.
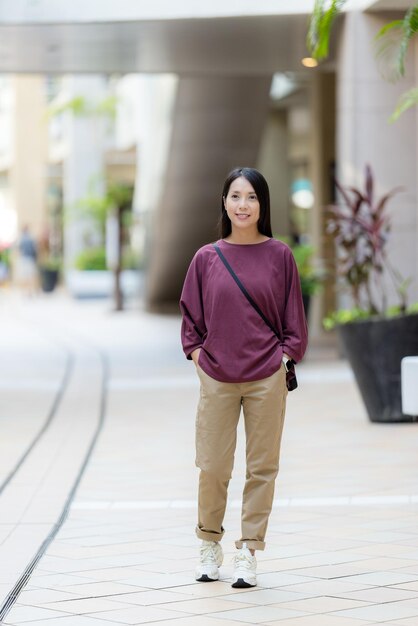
365,102
84,162
28,170
273,162
217,125
322,162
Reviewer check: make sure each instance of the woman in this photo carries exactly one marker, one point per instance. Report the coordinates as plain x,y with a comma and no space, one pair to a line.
240,362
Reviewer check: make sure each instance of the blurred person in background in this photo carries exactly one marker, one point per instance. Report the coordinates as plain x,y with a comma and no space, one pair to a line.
243,358
26,263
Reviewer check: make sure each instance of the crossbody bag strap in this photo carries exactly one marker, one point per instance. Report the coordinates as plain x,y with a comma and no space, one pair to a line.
244,291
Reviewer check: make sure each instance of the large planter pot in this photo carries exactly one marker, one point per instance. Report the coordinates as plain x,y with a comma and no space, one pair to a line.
100,283
49,279
375,349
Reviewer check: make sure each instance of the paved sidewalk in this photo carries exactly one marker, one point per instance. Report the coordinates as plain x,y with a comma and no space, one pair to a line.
342,547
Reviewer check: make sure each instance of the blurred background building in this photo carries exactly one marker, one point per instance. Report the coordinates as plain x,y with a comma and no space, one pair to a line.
126,116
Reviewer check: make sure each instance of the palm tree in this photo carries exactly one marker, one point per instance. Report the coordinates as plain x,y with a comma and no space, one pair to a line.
392,43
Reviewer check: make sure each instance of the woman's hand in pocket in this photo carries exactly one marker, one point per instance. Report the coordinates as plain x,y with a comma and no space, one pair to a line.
195,355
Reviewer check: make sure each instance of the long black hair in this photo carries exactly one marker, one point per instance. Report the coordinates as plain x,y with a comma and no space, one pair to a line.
261,189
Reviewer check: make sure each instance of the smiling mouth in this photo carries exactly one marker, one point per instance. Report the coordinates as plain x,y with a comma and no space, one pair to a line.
242,215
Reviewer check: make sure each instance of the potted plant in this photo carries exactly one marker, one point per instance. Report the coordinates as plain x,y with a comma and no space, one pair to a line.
311,278
91,277
49,258
49,271
115,202
375,336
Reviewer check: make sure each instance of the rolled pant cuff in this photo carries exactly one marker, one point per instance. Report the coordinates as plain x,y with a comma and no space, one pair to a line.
251,544
209,536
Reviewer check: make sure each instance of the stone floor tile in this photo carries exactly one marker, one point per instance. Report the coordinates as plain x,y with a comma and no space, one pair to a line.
387,564
257,614
71,620
100,589
84,606
330,571
322,604
410,586
379,594
403,622
20,614
140,615
321,620
281,579
196,620
386,549
52,581
156,581
380,578
115,574
382,612
330,587
35,597
150,598
219,588
206,605
259,596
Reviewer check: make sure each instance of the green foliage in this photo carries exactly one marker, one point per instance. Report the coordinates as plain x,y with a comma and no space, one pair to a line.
91,259
107,107
79,107
97,206
5,257
392,42
346,316
320,26
311,278
407,100
76,105
51,263
130,260
95,259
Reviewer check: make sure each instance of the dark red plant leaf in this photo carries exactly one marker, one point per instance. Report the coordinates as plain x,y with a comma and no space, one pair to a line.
382,202
369,185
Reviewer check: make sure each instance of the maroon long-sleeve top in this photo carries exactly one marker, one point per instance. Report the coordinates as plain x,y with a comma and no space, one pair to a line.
236,344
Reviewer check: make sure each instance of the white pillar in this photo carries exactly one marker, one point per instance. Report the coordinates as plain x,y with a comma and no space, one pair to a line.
83,164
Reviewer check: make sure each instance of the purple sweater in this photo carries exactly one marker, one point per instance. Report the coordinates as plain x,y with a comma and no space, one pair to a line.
237,345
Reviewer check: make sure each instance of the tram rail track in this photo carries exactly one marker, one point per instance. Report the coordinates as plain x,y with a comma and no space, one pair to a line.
67,379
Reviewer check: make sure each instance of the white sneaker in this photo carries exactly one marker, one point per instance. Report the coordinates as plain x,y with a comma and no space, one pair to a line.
211,558
245,569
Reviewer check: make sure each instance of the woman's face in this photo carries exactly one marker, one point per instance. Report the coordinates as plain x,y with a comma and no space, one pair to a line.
242,205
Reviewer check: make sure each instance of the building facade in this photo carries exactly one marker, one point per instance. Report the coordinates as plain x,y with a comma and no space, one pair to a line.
202,90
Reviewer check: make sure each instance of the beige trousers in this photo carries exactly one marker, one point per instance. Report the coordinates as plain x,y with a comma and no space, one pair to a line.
263,402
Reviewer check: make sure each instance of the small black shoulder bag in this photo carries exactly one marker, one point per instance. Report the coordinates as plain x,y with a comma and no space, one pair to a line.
291,380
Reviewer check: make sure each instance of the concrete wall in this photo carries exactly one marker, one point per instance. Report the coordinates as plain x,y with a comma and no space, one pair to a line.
217,125
365,102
